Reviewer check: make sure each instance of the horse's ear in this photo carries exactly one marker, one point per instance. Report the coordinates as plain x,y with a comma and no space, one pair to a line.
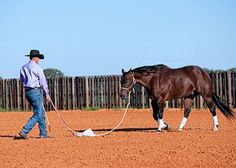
123,71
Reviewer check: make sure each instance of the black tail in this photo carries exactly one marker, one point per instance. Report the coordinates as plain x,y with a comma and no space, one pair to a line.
221,104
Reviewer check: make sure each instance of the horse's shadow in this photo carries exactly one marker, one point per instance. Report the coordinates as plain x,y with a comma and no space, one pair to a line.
124,130
97,130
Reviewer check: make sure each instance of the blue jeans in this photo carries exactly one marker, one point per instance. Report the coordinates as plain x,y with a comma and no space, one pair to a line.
35,98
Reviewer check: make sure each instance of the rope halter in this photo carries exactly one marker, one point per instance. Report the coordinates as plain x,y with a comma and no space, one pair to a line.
131,86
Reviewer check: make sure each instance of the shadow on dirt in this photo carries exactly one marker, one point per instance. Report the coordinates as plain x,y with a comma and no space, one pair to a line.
124,130
14,137
7,136
17,137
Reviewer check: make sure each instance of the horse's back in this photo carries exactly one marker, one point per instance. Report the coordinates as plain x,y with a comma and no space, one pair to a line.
193,71
192,76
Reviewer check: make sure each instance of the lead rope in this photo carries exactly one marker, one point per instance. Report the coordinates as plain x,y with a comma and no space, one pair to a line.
75,133
61,119
127,106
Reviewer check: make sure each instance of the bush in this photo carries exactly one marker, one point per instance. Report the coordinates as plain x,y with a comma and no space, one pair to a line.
53,73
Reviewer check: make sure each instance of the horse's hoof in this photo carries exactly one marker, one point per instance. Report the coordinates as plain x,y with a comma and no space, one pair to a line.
159,131
168,128
216,128
180,129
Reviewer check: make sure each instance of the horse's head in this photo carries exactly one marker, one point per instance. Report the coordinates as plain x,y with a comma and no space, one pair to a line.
127,83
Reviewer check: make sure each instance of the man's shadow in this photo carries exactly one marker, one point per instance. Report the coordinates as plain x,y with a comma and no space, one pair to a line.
14,137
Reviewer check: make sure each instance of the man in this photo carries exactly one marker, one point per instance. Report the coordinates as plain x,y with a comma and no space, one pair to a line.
34,82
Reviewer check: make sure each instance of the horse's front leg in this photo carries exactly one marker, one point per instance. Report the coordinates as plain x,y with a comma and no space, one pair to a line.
161,122
162,125
158,116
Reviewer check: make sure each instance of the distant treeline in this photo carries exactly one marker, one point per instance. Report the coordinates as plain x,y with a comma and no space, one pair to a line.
220,70
54,73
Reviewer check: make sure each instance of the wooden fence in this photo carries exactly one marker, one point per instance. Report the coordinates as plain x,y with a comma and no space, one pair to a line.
103,92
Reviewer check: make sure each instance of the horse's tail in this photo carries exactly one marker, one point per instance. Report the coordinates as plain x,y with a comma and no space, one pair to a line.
222,105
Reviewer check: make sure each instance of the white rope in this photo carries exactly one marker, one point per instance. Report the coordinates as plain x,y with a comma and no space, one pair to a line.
120,120
75,133
61,119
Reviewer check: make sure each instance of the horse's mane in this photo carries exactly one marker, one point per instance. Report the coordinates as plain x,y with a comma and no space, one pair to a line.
150,69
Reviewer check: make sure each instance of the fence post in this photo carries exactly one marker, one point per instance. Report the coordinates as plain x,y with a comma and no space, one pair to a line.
18,94
201,102
117,91
217,90
221,85
229,86
142,97
72,93
1,93
6,95
86,93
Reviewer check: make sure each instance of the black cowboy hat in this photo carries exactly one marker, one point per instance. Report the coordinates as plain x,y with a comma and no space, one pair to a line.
35,53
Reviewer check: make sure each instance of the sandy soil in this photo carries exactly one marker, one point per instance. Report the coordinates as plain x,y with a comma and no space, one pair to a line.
134,144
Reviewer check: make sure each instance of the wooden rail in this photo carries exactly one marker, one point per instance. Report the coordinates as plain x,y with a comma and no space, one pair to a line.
103,92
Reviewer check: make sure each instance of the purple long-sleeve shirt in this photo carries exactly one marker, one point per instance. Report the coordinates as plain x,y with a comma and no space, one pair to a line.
31,74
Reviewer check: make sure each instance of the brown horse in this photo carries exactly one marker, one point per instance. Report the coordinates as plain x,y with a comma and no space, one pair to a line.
163,83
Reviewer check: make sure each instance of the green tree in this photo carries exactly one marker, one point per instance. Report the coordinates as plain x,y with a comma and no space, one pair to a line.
208,70
52,73
213,70
232,69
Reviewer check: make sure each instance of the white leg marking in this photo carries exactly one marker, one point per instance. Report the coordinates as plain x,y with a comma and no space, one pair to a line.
161,124
182,124
215,123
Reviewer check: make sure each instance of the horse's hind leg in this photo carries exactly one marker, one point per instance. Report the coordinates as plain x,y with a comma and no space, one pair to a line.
155,109
212,109
187,110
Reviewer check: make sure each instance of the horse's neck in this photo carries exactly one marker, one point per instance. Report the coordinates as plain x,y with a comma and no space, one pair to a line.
143,80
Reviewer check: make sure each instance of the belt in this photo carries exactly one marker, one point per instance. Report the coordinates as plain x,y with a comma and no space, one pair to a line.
30,88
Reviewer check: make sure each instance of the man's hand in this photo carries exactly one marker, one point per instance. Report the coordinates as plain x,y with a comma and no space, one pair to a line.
48,98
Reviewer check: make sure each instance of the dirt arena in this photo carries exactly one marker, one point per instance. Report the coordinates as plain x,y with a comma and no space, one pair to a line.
134,144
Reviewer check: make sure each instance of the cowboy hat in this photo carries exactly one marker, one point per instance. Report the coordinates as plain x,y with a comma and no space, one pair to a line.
35,53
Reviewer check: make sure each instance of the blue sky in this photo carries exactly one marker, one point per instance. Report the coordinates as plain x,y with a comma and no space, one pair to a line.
100,37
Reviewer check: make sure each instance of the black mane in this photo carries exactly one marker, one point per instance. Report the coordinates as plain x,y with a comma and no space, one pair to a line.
150,69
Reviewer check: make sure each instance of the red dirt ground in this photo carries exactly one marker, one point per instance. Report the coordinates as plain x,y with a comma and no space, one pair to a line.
134,144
